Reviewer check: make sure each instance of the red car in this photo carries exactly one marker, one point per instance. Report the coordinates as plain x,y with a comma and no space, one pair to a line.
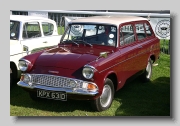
94,59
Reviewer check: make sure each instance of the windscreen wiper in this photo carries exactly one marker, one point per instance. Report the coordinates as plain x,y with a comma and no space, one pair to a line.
84,42
70,41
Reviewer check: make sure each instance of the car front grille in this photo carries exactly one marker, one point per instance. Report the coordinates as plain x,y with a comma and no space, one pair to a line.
55,81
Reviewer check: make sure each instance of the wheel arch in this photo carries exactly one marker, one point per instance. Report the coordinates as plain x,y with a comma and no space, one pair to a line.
152,57
113,77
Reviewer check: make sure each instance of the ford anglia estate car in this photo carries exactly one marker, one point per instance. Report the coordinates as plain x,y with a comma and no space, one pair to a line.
28,33
95,57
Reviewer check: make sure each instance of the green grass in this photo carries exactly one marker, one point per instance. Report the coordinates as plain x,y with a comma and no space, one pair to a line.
149,99
134,99
165,45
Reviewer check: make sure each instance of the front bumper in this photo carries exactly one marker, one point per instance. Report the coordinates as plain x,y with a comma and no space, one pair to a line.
67,90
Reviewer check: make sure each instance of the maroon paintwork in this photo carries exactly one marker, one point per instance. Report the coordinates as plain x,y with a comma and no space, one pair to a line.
122,61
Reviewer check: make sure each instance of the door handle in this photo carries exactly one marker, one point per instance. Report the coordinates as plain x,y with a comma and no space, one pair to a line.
45,42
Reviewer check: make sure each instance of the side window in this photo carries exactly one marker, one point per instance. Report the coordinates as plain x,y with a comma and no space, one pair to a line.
140,31
126,35
14,29
48,28
148,29
31,30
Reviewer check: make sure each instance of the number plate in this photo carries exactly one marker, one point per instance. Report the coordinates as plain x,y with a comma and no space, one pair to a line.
52,95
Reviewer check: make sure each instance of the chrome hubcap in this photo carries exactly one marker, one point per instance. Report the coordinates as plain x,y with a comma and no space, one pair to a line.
148,70
106,96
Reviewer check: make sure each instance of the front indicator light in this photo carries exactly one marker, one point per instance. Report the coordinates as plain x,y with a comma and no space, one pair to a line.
91,86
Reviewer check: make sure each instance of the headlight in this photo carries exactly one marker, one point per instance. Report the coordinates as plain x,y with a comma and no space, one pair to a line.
88,73
23,65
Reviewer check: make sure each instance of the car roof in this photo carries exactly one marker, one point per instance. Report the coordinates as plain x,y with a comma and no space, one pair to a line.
28,18
116,20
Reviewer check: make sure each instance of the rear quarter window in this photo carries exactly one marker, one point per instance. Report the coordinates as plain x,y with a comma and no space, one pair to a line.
140,31
148,29
48,28
127,35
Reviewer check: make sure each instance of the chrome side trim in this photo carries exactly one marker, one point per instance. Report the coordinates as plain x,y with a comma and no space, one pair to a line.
67,90
121,62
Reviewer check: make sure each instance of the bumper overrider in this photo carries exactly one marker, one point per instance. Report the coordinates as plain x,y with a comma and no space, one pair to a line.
58,83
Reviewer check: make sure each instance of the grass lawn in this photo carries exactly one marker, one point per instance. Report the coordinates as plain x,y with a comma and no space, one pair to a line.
165,46
134,99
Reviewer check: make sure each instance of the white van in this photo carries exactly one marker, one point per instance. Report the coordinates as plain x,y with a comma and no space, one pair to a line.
28,33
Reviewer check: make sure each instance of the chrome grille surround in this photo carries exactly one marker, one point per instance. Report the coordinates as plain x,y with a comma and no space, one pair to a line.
54,81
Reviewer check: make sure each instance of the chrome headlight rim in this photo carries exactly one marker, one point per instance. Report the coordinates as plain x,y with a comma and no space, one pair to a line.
90,69
26,62
27,79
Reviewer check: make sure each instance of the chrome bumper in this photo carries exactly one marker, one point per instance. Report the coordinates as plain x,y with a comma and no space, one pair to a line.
67,90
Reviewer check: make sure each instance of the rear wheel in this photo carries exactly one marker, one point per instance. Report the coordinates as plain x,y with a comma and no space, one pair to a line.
146,76
105,100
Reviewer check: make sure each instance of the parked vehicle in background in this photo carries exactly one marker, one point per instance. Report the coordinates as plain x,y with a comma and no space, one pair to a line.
28,33
94,59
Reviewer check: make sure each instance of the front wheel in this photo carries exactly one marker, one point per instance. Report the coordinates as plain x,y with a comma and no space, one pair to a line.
105,100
